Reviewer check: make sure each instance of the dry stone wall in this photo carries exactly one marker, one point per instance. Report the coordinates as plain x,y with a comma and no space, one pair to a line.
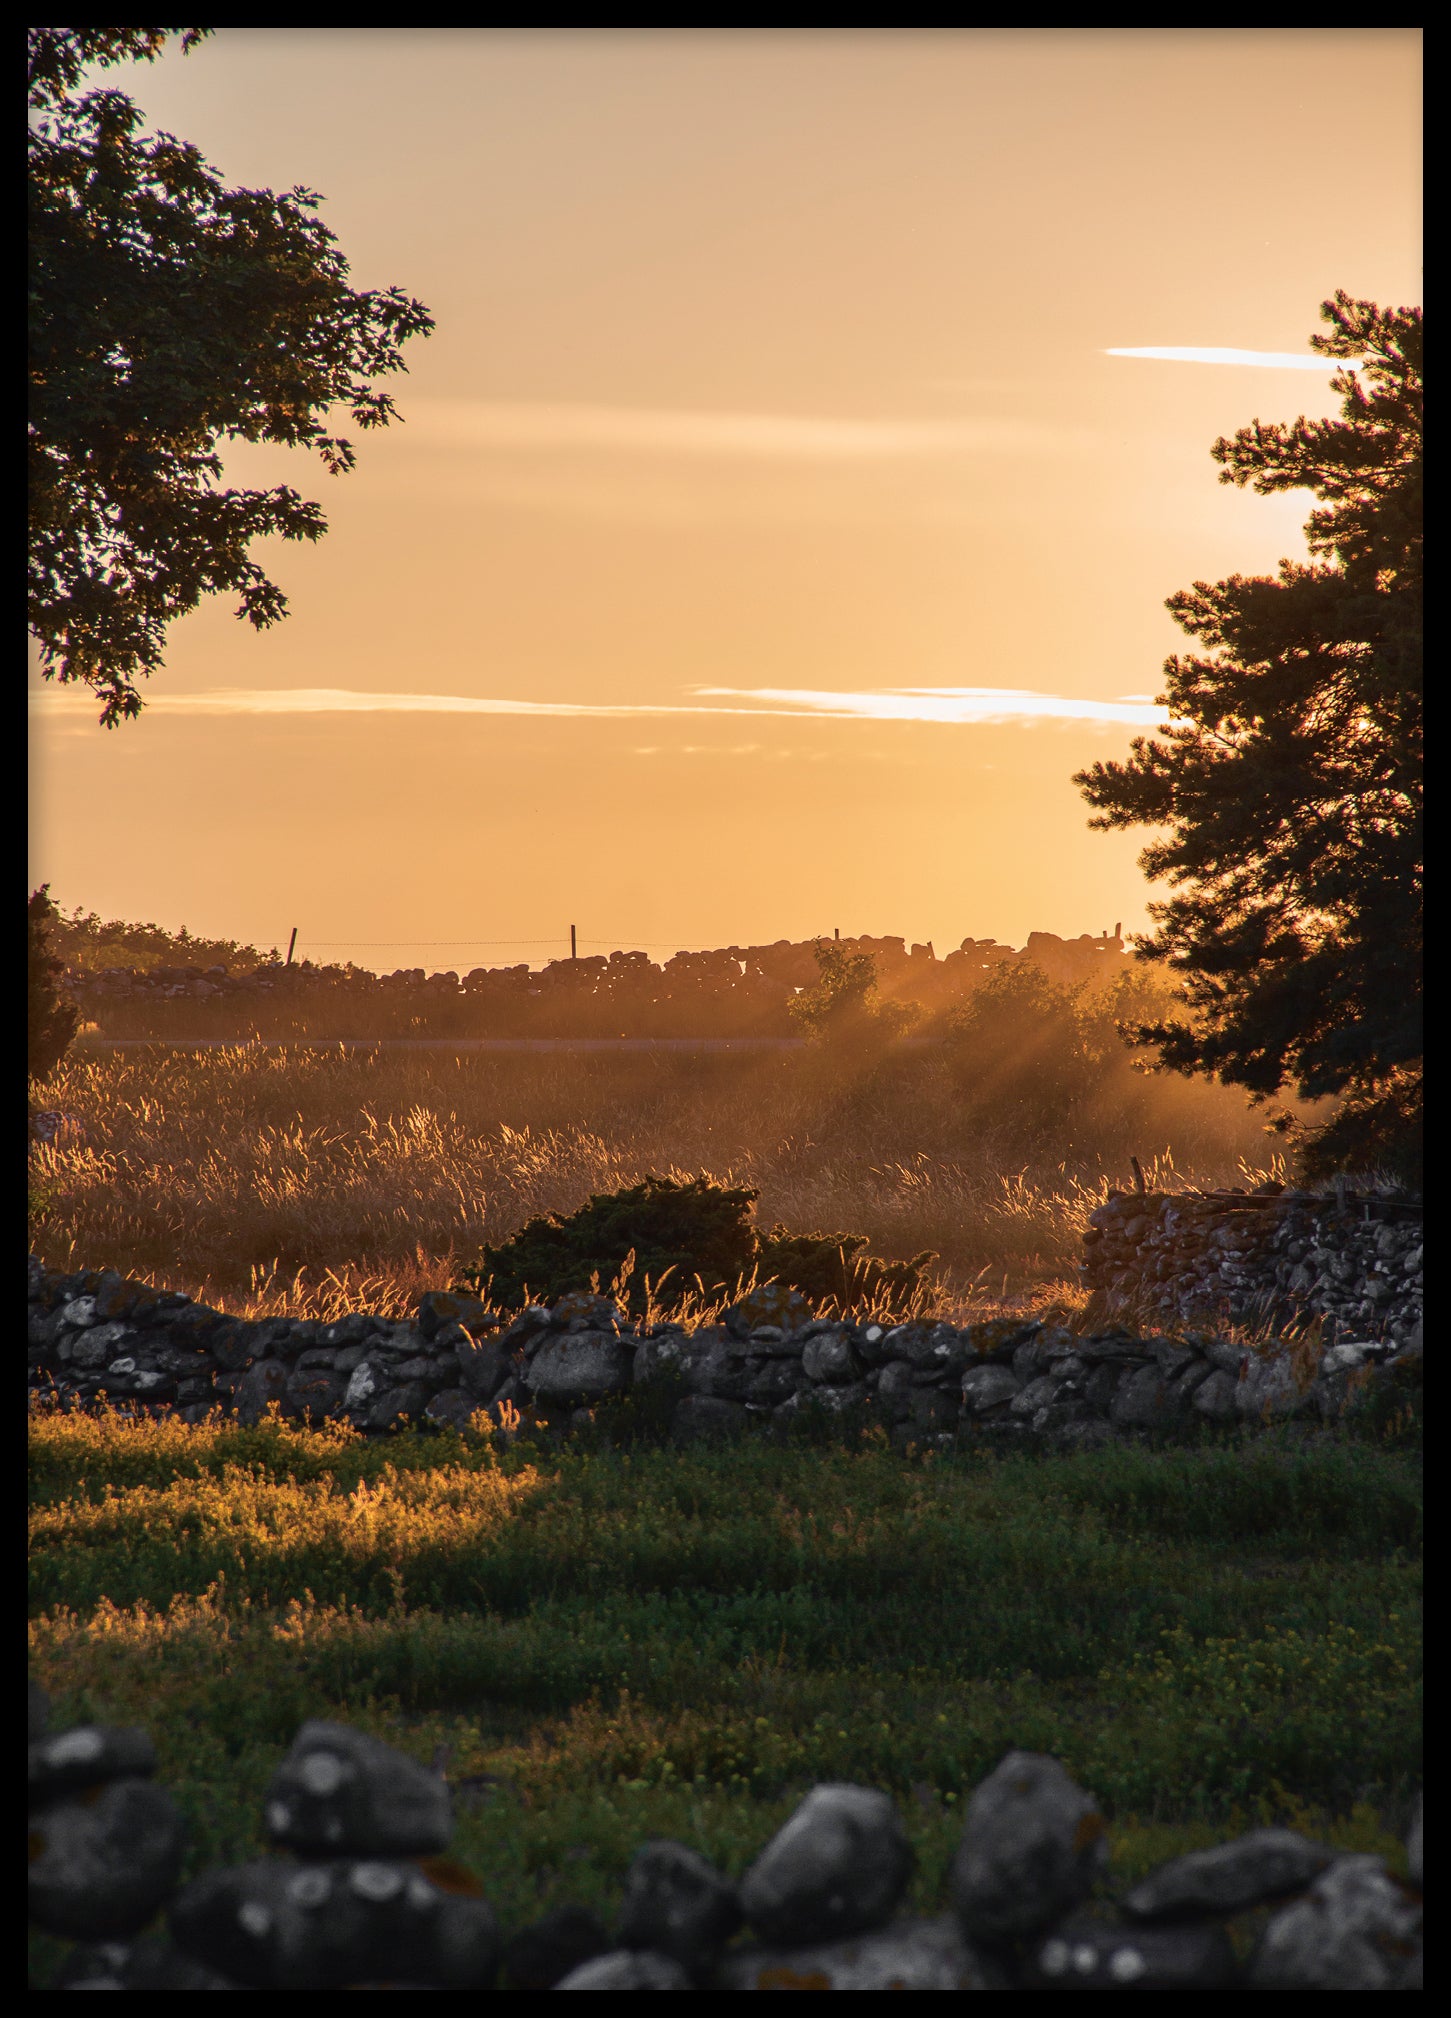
351,1897
94,1335
1276,1257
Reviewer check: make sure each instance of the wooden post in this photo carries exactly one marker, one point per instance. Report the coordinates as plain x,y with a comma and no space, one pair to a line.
836,931
573,954
290,944
1139,1177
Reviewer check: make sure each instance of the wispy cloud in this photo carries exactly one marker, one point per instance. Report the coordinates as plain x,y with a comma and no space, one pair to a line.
748,436
1198,353
946,705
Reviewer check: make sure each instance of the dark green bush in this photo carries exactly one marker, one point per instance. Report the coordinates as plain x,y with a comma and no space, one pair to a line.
832,1265
696,1228
685,1235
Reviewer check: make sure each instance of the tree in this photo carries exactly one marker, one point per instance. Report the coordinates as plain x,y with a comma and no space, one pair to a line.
1288,780
843,1006
51,1020
166,313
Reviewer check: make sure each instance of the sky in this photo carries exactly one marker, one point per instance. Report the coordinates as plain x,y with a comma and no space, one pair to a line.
784,506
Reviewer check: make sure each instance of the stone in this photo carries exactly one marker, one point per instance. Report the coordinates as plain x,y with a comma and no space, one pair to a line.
677,1904
85,1756
909,1955
340,1792
1216,1398
263,1383
437,1307
1092,1956
986,1387
627,1969
829,1357
453,1408
483,1368
1356,1929
770,1303
102,1862
838,1866
1034,1843
581,1368
1143,1400
1251,1869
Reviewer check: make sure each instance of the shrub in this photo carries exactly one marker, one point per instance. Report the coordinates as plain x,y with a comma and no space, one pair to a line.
694,1233
692,1227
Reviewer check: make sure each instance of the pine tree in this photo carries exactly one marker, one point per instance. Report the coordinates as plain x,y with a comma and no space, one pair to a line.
1288,781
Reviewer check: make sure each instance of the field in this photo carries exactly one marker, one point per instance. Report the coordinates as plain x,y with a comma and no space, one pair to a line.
611,1640
307,1181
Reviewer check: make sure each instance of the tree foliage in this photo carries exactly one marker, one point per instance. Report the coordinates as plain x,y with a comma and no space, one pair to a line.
843,1006
51,1020
1287,784
167,313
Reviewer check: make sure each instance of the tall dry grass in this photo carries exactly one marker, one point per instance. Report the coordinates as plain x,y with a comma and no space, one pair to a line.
308,1181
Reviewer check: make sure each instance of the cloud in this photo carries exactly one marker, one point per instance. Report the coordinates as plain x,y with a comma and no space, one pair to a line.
742,436
1198,353
944,705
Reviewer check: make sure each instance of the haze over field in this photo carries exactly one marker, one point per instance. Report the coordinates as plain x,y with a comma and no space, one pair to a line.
785,504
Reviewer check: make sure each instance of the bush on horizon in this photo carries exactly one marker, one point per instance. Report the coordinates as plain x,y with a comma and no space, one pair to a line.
668,1238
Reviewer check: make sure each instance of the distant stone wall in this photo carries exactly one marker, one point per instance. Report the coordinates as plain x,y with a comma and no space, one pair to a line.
94,1334
1353,1260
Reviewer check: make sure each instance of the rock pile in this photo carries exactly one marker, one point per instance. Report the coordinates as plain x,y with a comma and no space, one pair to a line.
95,1334
358,1896
1354,1261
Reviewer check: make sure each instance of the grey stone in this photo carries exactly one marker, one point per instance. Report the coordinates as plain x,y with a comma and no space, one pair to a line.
838,1866
397,1405
985,1387
1144,1400
84,1756
1033,1845
1356,1929
1215,1398
909,1955
626,1969
1251,1869
454,1407
580,1368
263,1383
829,1358
340,1792
1092,1956
483,1368
678,1904
1271,1387
101,1865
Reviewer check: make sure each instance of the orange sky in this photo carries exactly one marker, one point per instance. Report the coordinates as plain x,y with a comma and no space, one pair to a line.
769,525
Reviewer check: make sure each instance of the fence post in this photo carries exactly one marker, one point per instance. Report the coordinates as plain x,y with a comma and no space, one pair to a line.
290,944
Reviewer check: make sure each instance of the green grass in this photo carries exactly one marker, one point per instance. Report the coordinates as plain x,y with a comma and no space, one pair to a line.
619,1642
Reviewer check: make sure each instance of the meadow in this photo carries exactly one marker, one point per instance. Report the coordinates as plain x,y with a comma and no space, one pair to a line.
307,1181
610,1639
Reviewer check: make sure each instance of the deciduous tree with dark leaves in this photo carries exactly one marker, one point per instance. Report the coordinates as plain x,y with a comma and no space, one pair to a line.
168,313
52,1019
1287,784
